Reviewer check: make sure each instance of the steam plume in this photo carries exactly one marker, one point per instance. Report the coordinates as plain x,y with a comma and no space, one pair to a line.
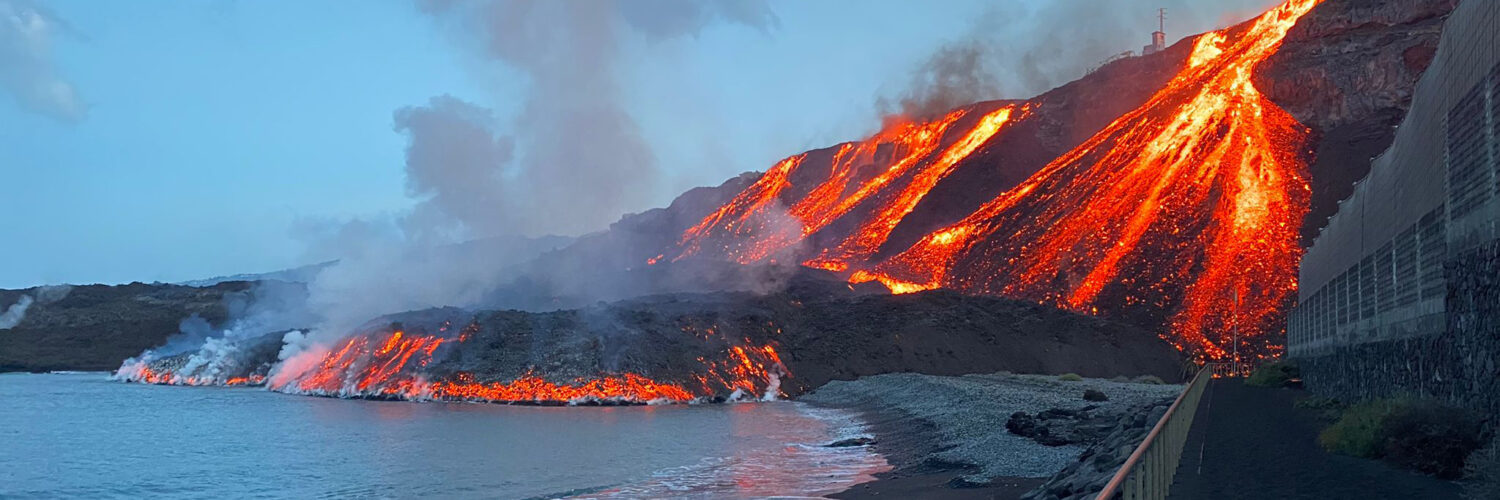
455,165
571,161
39,295
15,313
580,158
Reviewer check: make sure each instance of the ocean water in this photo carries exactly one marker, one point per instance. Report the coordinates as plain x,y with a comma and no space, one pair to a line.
80,435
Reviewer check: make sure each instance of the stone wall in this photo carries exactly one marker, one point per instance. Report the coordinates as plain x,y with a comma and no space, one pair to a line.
1474,326
1461,365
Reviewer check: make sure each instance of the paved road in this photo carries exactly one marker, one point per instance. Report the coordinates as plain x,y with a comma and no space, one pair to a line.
1259,446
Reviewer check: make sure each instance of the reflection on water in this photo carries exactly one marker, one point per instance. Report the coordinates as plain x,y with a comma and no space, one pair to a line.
79,435
770,454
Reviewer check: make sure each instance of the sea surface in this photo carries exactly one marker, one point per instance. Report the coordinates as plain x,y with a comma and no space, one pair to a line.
71,435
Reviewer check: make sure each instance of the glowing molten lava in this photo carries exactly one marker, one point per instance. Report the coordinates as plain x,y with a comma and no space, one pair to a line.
143,373
395,365
891,171
1187,208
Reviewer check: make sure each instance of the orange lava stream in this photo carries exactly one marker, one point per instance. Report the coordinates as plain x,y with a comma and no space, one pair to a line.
367,366
918,140
167,377
757,222
1192,200
894,205
749,215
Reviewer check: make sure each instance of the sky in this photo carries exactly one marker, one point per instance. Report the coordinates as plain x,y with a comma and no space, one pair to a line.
178,140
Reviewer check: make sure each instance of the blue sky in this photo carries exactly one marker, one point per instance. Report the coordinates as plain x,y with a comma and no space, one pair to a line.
212,127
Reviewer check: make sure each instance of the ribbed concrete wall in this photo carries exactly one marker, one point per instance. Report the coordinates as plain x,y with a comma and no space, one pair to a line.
1400,294
1375,272
1408,180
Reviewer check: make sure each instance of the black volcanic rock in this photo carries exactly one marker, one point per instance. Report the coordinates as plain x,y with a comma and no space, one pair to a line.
821,330
95,327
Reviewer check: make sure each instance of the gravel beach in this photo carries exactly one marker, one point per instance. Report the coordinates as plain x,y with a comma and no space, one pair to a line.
932,426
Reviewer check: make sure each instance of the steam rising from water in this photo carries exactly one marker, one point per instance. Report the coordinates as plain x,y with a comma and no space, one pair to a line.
215,355
571,161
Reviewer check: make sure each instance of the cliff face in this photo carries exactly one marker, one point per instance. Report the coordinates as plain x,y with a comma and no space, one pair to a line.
1347,70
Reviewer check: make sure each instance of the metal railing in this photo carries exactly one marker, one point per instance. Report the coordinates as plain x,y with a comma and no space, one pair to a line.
1149,470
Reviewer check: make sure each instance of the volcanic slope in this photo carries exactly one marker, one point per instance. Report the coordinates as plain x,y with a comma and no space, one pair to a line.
1163,190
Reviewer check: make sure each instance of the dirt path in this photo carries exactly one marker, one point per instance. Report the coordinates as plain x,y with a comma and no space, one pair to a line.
1259,446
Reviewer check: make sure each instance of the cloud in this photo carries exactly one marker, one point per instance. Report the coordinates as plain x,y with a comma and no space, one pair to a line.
26,70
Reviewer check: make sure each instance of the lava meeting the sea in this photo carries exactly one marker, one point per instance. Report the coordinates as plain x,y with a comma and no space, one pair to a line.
1188,205
395,365
1182,213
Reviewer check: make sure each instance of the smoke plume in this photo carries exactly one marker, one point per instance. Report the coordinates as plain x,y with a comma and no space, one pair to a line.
15,313
956,75
580,160
455,166
26,69
39,295
570,161
1021,49
212,354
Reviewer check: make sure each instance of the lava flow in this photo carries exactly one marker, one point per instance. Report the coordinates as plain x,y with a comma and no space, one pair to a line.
395,365
141,371
1190,204
892,170
1184,211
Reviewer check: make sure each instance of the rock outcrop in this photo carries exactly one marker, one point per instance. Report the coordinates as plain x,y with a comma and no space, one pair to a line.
1085,478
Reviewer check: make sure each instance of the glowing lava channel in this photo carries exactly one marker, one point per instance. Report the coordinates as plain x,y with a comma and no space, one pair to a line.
893,170
1190,203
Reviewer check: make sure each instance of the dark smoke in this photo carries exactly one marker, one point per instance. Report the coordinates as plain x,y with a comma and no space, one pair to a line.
1018,50
956,75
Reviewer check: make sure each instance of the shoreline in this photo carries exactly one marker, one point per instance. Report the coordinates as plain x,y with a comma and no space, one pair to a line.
945,436
905,442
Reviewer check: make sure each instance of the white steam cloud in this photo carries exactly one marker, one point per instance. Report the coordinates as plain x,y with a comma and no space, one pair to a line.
579,160
15,313
39,295
571,161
